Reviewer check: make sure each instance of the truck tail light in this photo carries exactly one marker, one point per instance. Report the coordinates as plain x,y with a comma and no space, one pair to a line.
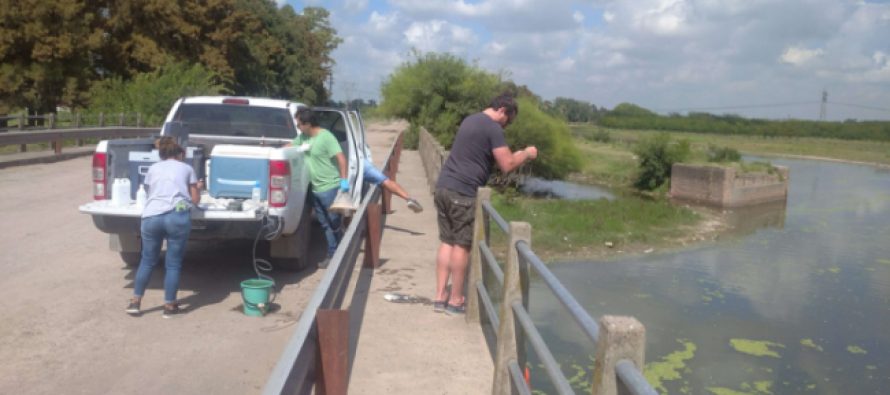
279,182
100,172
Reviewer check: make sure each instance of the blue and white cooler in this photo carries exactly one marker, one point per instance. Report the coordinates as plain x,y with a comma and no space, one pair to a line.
235,169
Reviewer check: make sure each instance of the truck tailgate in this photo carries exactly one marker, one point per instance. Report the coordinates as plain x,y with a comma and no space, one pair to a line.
104,207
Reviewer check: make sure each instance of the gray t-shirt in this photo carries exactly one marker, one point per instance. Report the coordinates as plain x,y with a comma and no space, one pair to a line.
167,183
469,164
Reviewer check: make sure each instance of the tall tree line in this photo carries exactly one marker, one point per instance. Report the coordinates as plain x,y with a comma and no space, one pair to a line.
53,51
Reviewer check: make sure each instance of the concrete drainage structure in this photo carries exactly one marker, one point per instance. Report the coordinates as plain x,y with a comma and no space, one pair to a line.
727,186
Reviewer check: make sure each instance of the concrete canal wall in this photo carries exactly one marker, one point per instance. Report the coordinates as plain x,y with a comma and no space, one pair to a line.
727,186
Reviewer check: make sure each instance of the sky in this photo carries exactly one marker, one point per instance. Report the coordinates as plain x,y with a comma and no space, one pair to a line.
755,58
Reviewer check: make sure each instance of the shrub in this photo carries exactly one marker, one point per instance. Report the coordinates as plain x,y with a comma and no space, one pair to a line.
723,154
656,156
557,155
153,93
602,136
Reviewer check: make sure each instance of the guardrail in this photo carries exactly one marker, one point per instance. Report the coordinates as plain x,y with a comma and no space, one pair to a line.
57,137
71,120
620,341
318,353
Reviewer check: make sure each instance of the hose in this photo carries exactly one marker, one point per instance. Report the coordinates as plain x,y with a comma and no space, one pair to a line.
269,230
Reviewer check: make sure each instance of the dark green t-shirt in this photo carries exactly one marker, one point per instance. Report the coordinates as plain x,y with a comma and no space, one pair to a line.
324,174
469,163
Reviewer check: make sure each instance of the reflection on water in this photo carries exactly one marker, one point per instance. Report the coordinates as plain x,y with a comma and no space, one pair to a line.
561,189
797,301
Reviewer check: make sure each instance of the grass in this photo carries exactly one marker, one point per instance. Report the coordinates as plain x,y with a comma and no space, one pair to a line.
848,150
562,229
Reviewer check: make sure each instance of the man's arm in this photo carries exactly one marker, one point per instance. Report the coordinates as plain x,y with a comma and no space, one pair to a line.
509,161
341,164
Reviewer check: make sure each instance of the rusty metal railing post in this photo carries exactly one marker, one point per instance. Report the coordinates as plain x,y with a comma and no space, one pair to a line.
372,241
333,350
482,195
619,338
508,339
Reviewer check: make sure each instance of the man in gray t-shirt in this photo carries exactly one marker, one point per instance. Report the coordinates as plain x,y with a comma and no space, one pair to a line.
479,143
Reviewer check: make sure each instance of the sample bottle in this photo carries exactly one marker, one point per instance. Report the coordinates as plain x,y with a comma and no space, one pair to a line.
141,196
256,194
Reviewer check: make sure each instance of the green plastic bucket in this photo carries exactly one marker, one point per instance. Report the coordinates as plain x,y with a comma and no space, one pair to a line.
255,295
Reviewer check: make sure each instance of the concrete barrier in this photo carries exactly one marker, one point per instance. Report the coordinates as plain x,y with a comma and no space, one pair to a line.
433,156
727,186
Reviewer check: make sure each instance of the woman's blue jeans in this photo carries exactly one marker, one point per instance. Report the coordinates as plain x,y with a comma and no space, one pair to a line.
330,222
174,226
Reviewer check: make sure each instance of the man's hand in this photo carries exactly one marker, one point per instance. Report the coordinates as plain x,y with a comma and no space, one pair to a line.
531,151
344,185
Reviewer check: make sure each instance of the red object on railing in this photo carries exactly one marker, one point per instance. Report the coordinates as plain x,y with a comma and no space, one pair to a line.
100,172
279,182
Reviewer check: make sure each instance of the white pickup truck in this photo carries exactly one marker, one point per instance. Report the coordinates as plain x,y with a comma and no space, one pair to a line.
234,143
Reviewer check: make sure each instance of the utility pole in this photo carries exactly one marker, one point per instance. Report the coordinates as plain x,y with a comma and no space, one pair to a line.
823,110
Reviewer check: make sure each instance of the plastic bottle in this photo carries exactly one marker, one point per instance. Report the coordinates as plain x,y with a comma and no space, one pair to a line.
141,196
255,193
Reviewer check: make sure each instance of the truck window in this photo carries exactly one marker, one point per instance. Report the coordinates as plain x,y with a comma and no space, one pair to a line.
236,120
332,121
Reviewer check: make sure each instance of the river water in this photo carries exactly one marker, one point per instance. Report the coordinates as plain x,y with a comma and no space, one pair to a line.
795,300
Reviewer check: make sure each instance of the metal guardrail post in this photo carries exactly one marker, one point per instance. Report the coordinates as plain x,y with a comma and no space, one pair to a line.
482,195
101,119
120,120
508,339
374,236
333,350
619,338
21,121
138,120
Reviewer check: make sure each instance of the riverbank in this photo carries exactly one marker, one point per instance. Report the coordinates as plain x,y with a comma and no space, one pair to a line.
652,225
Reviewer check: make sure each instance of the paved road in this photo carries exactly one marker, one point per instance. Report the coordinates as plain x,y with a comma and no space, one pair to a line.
62,296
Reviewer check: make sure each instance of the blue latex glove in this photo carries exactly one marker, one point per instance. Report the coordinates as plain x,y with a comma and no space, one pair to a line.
344,185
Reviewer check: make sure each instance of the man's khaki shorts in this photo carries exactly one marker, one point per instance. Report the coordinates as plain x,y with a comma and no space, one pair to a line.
455,213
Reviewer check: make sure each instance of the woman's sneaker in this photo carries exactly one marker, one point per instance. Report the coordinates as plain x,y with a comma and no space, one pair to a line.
133,308
414,205
170,312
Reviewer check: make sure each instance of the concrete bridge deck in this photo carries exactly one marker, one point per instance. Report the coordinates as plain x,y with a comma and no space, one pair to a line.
406,348
63,293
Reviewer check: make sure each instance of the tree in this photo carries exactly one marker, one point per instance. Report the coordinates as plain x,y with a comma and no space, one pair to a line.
53,51
45,53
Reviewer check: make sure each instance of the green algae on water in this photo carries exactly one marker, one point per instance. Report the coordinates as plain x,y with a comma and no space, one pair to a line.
856,350
757,388
757,348
811,344
883,261
834,269
670,366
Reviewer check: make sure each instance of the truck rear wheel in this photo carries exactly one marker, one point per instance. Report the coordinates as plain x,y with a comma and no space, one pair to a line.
131,258
295,249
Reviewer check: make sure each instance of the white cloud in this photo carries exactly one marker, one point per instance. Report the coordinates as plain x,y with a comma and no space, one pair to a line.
661,54
578,16
437,36
355,5
382,23
798,56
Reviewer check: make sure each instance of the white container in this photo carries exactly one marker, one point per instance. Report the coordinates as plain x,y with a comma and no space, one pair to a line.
120,192
141,196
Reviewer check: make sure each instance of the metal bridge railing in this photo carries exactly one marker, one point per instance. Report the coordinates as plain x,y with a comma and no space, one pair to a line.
316,357
620,341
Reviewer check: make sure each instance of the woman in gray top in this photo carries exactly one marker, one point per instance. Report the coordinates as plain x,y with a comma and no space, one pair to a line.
172,188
